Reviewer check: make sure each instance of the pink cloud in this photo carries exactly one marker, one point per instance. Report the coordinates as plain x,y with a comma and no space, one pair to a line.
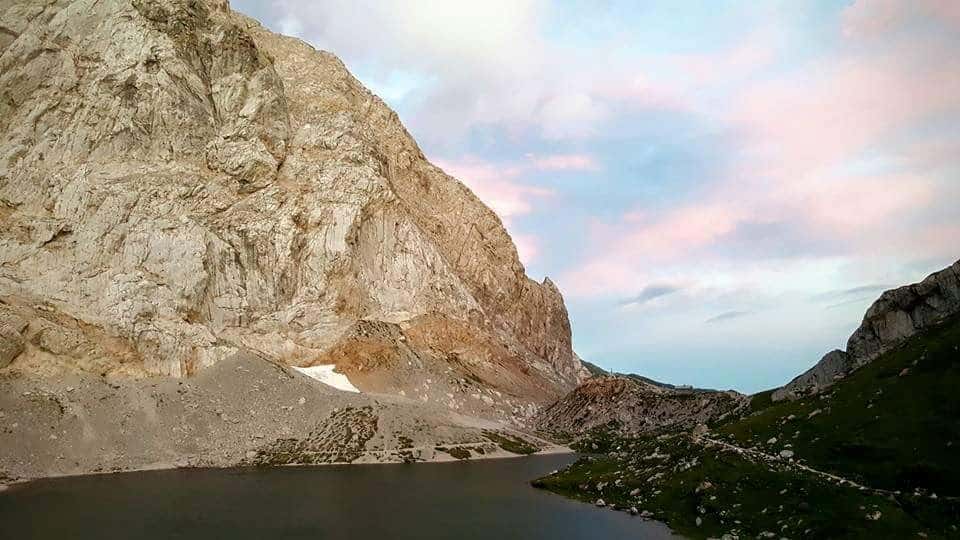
840,108
757,50
528,247
808,138
639,91
931,155
880,18
680,230
809,128
571,115
866,211
628,252
500,187
947,10
873,18
675,82
847,206
602,276
497,185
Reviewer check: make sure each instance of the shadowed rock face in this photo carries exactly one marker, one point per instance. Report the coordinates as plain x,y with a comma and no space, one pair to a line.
633,406
178,184
897,315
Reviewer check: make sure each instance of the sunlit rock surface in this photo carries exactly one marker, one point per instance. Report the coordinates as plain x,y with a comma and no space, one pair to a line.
178,184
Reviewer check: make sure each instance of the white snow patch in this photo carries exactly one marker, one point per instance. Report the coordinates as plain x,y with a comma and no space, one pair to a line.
327,376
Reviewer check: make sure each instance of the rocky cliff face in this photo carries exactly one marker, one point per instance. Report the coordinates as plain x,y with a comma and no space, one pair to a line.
633,406
178,184
897,315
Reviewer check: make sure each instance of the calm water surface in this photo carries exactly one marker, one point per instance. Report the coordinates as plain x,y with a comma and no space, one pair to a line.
484,499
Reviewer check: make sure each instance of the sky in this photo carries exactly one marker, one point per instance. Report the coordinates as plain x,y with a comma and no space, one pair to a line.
720,189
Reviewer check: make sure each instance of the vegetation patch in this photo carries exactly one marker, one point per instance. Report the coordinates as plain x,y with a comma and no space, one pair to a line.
600,440
404,442
761,400
341,438
891,427
407,456
510,443
458,452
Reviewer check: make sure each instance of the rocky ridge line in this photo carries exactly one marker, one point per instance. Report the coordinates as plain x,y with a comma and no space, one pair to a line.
632,406
896,316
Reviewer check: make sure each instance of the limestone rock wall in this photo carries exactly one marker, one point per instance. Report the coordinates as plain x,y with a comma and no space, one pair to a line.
178,179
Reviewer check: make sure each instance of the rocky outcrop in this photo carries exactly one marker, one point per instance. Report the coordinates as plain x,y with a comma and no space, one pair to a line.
632,406
830,368
902,312
897,315
178,184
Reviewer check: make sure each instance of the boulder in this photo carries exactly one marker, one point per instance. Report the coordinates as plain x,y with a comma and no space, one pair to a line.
11,344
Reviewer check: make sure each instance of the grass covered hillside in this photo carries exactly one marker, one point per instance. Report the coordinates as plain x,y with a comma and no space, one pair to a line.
894,424
873,456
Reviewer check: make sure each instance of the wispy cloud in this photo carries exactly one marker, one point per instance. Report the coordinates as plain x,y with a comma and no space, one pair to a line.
649,293
860,300
853,291
726,316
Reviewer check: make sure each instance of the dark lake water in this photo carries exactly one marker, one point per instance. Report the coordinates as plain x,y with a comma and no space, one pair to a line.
482,499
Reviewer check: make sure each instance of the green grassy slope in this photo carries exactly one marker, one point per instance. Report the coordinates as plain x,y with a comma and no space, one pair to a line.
893,424
882,427
706,493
